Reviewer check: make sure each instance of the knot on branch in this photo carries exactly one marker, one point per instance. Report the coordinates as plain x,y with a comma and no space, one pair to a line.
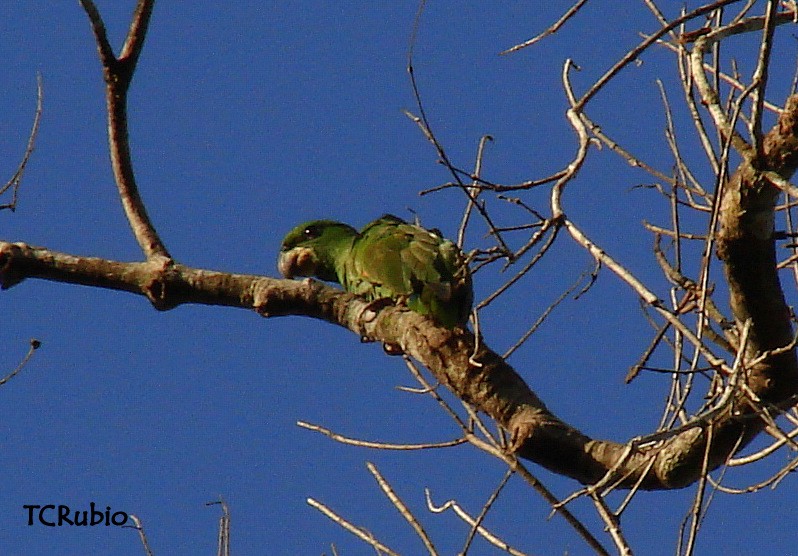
156,286
781,144
9,276
530,421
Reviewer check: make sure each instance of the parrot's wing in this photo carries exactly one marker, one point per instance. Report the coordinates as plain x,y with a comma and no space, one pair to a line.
407,263
376,268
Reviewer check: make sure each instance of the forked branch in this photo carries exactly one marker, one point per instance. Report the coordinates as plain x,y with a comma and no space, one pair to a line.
118,73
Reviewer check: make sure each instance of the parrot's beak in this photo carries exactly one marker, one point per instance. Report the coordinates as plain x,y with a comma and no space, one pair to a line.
285,263
299,261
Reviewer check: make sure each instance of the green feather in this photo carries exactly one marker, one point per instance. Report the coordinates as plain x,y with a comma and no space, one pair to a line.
388,258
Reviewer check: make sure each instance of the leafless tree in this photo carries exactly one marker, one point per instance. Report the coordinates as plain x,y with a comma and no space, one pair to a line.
746,352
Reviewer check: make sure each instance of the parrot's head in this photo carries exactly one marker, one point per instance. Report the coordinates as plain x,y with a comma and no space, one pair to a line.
312,248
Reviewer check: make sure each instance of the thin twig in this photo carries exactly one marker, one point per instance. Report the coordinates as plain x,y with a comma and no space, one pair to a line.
545,314
16,179
684,172
613,525
223,542
360,533
34,345
474,190
462,514
142,535
725,77
634,53
697,512
378,445
511,461
485,508
402,507
549,225
760,78
708,94
764,452
423,123
599,254
553,28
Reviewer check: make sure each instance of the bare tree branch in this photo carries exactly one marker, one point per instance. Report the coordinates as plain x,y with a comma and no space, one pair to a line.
34,345
553,28
16,179
390,493
484,533
743,399
223,541
142,535
378,445
118,73
349,526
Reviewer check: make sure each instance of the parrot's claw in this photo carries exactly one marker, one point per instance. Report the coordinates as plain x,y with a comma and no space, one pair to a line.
374,307
392,349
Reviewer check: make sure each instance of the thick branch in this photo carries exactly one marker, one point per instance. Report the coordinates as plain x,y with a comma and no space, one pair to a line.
492,386
747,247
472,371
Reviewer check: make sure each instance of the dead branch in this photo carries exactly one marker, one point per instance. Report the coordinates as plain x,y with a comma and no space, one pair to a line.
34,345
492,387
378,445
142,535
359,532
16,179
462,514
397,502
118,73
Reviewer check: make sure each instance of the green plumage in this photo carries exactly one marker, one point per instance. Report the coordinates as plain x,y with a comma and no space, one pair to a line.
388,258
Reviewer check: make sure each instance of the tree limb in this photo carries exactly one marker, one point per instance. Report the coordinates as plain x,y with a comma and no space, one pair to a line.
492,386
471,370
118,73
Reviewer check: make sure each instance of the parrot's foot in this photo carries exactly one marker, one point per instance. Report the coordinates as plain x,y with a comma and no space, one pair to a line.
390,349
369,313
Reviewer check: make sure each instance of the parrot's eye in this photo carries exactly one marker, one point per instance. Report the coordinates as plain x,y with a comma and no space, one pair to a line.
311,232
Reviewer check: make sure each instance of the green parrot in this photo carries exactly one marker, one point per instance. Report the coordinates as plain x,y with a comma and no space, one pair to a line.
387,259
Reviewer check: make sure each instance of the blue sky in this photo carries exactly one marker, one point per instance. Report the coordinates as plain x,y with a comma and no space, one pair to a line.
245,121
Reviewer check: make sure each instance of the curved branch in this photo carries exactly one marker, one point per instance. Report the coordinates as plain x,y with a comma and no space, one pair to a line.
118,73
746,245
634,53
471,370
16,179
709,95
